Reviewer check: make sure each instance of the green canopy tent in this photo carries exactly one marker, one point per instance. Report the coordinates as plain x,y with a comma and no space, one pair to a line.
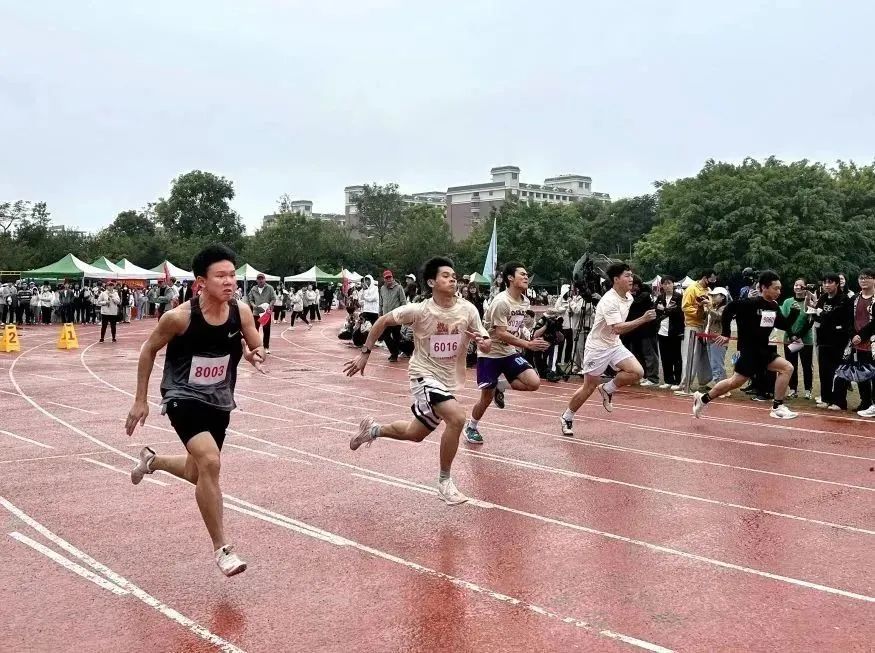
69,267
105,264
480,280
313,275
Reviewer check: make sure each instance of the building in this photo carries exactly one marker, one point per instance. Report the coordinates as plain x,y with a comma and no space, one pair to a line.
58,229
468,205
305,209
351,193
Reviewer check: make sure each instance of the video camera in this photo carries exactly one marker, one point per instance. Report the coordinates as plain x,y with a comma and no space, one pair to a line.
588,276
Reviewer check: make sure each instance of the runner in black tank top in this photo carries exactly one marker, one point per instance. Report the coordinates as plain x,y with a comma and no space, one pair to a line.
204,339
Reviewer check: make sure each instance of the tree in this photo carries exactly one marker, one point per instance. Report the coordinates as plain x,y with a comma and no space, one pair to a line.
422,232
133,235
379,209
617,226
197,210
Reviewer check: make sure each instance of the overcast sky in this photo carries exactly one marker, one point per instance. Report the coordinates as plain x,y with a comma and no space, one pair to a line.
102,103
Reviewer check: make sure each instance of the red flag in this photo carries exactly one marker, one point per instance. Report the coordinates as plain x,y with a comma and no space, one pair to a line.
166,273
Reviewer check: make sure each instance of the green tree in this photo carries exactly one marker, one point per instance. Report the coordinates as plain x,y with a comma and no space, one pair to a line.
198,211
421,232
617,226
133,235
379,209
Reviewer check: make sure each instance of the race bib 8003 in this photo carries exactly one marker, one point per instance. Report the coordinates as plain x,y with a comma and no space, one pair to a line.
446,346
208,371
767,319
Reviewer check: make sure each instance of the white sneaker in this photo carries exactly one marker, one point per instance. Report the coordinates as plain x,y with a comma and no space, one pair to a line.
646,383
833,407
782,412
664,386
142,468
792,394
818,399
567,426
869,412
820,404
266,351
364,435
606,398
448,492
808,395
698,404
228,561
675,388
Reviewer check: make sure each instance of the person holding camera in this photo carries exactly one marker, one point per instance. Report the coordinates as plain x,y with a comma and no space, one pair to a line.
604,349
504,321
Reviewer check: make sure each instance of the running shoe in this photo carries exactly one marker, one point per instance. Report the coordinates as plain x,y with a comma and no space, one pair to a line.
834,407
821,404
567,426
760,398
143,467
792,394
448,491
364,435
675,388
266,350
782,412
664,386
228,561
472,435
606,398
646,383
808,395
498,399
698,404
869,412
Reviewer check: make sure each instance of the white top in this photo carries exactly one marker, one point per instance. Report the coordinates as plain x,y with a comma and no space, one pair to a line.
370,299
612,309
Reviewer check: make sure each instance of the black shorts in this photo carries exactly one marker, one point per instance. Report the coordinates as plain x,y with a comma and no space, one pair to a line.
189,418
754,362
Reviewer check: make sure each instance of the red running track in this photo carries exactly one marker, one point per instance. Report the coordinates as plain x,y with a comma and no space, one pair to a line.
648,530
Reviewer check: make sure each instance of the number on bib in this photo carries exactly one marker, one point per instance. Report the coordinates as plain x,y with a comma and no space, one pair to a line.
446,346
208,371
767,319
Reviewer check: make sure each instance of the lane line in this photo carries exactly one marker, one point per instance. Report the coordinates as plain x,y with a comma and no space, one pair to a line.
100,581
124,583
82,410
24,439
121,471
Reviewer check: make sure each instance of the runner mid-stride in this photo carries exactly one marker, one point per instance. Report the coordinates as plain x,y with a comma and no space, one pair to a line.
204,339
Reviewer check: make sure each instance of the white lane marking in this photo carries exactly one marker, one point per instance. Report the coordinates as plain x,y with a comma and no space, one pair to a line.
263,453
66,455
69,564
121,581
660,548
121,471
332,538
82,410
24,439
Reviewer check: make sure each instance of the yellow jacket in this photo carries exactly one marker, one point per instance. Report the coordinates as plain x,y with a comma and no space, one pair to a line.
694,312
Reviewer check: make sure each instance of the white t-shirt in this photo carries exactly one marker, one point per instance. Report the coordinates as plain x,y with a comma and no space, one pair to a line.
439,339
612,309
504,311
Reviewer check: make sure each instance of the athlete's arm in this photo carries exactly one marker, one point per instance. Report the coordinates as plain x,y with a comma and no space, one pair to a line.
621,328
537,344
252,351
353,367
171,324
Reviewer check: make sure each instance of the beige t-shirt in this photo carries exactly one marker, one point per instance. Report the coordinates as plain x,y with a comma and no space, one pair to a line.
439,339
612,309
505,311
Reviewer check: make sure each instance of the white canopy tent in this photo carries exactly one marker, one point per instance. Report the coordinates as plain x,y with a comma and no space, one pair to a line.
178,273
686,282
355,277
137,271
248,273
313,275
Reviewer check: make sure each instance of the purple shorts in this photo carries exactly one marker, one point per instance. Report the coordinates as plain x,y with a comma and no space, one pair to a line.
489,369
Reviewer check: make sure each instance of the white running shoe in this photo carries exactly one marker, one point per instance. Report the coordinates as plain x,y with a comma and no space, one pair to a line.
675,388
698,404
808,395
364,435
448,491
646,383
869,412
664,386
606,398
228,561
782,412
792,394
567,426
821,404
833,407
143,467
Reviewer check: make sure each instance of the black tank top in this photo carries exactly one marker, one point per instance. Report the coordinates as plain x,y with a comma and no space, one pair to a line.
201,364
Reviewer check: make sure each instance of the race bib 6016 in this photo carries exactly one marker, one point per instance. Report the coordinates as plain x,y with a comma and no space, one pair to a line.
446,346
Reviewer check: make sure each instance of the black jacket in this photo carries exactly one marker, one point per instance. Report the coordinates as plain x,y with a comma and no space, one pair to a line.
756,319
671,311
835,320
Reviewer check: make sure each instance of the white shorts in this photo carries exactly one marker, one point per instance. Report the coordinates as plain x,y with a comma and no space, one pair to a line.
595,362
428,392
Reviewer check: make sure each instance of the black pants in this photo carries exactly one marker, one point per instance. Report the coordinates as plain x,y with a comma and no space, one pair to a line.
670,353
806,355
828,359
302,315
111,321
370,317
5,310
392,338
279,313
841,387
46,314
314,312
266,338
567,346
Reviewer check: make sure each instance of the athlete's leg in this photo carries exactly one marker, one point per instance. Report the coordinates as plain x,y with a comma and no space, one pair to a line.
590,383
411,430
205,452
184,467
784,369
453,415
527,381
479,409
629,371
728,385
